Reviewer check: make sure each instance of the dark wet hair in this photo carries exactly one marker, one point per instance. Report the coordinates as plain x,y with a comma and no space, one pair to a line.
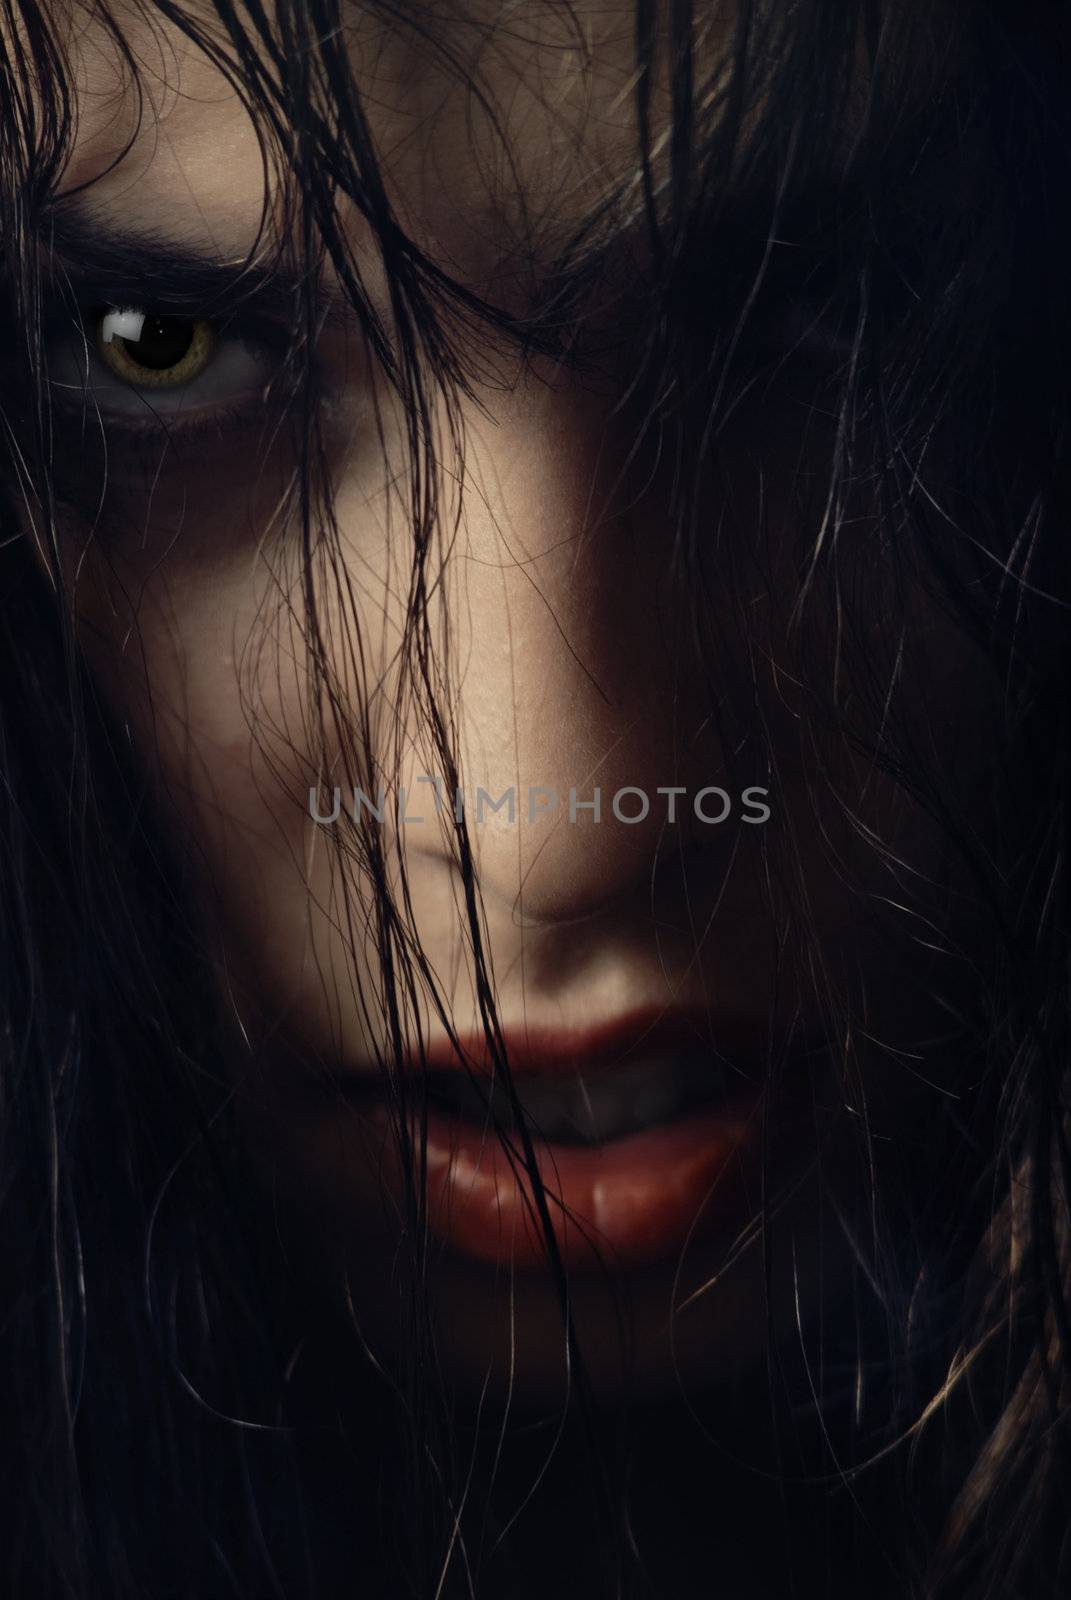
873,196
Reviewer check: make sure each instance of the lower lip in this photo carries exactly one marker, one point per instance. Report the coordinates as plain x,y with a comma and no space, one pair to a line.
631,1202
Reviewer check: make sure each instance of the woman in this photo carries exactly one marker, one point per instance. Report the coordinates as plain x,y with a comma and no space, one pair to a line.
535,806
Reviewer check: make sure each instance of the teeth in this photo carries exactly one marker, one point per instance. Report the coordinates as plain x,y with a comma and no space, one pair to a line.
575,1110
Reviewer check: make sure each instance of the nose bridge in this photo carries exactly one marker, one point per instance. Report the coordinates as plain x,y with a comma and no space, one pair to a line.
571,677
547,596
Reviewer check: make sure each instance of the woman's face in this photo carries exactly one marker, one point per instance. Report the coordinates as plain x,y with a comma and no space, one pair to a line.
564,645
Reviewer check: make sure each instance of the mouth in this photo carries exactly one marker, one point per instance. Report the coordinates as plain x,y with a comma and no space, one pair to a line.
585,1110
643,1136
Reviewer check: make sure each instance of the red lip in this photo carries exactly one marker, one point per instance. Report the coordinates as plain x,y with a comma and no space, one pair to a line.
630,1201
561,1052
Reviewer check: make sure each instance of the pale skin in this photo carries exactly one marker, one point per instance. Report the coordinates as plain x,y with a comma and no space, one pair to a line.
570,665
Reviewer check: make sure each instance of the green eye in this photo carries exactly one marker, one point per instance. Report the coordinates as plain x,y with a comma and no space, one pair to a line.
154,352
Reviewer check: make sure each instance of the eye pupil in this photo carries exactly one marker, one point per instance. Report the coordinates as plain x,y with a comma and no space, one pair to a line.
164,342
146,349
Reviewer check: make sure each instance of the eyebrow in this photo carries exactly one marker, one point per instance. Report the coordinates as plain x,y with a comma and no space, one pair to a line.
95,255
140,264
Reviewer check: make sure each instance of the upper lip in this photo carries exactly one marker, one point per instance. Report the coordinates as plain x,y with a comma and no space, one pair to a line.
545,1051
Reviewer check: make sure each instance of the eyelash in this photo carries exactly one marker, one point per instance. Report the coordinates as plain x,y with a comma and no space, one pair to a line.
216,424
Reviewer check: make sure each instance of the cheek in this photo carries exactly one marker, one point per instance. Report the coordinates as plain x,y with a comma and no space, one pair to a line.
191,609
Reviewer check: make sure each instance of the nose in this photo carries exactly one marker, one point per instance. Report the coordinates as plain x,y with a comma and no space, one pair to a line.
580,708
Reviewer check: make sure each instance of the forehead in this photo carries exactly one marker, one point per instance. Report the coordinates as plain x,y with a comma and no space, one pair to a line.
492,125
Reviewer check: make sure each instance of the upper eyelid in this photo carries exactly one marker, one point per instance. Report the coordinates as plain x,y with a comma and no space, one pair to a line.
135,266
83,299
